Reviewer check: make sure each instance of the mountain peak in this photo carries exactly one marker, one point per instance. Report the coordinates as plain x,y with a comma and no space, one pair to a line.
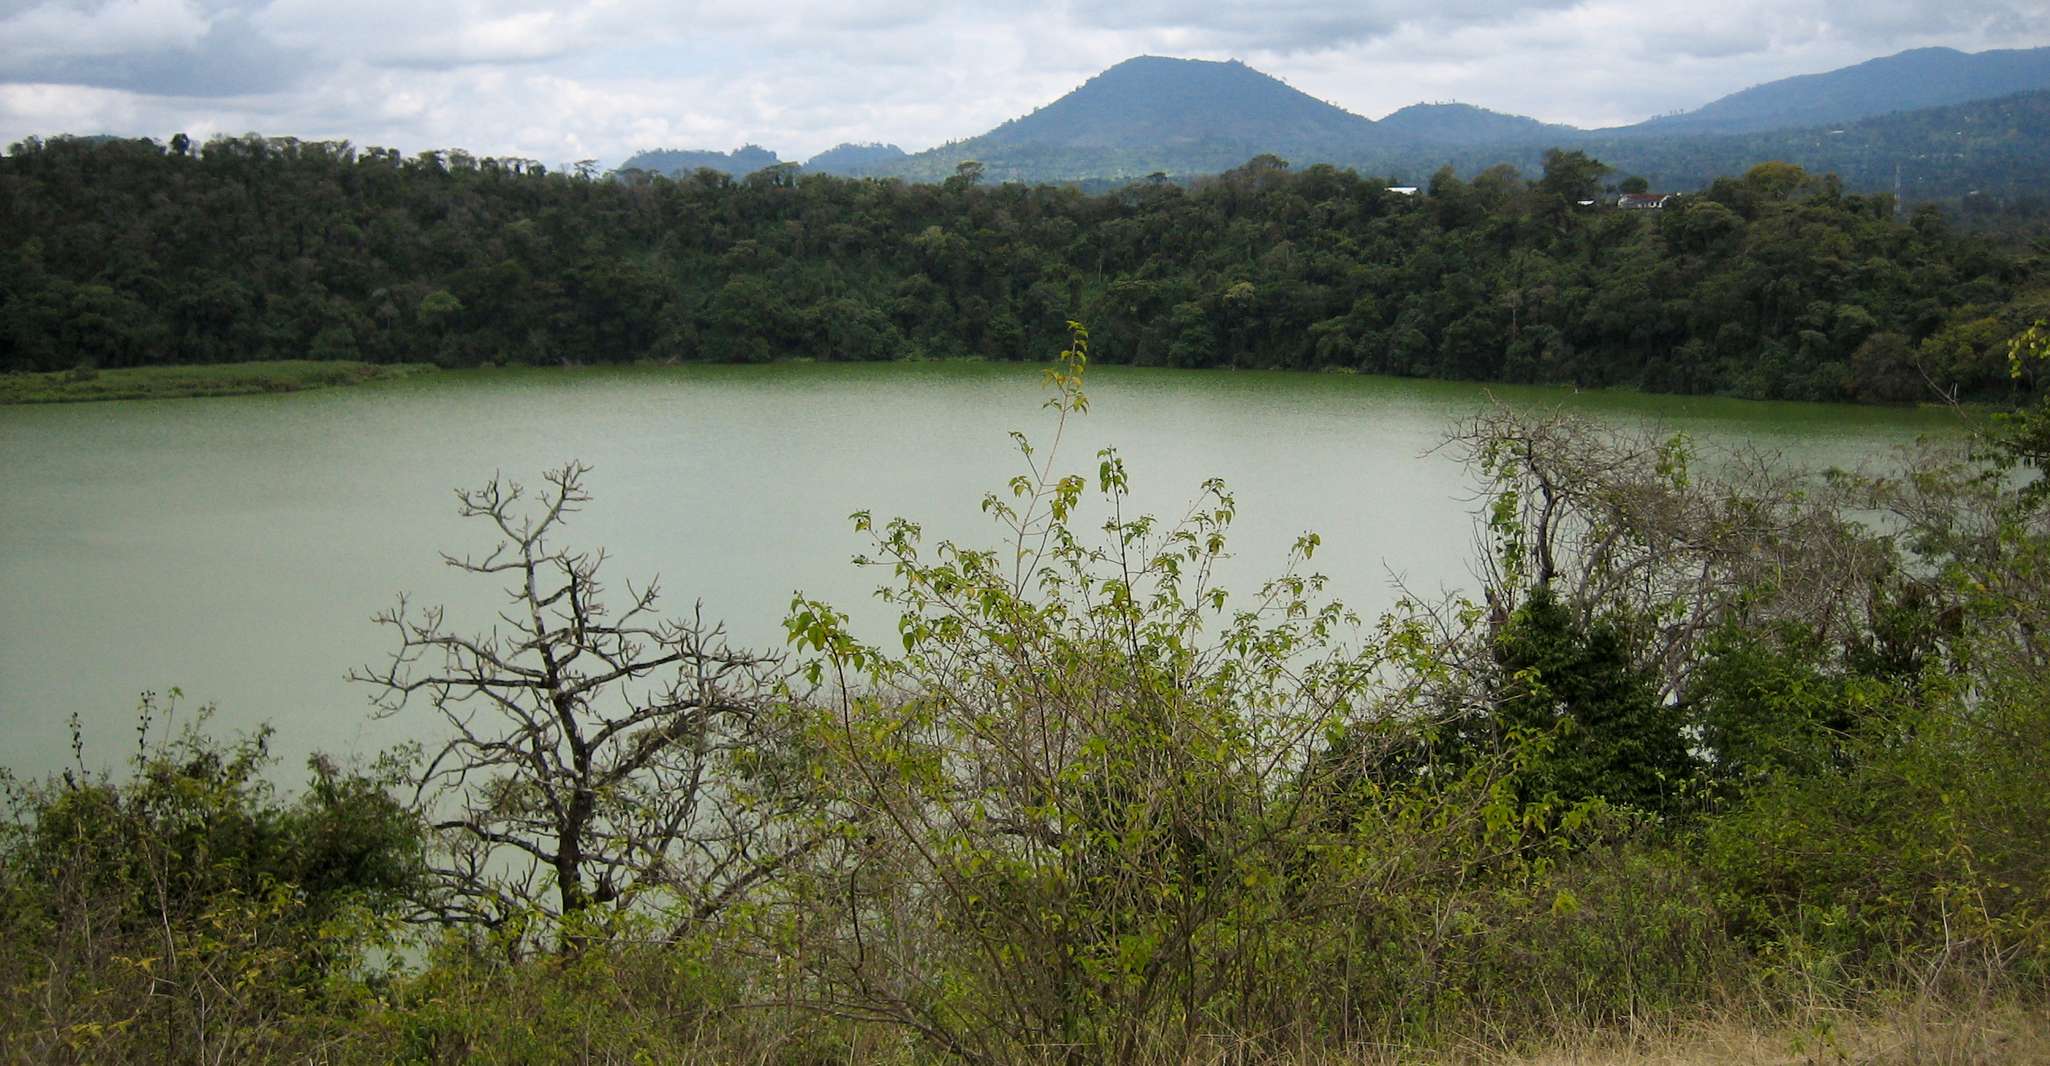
1168,62
1164,100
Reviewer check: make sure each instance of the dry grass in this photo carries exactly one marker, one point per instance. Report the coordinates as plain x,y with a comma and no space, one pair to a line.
1919,1035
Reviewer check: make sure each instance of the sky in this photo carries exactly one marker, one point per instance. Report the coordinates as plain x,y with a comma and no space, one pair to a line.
559,82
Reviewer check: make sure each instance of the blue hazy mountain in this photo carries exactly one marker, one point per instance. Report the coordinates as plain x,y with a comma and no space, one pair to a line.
1909,81
1188,117
1454,123
854,160
679,161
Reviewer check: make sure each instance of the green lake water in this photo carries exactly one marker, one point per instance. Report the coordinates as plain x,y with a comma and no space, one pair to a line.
237,547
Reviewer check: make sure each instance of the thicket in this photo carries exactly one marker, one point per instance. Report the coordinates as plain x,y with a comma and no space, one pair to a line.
1701,742
184,912
1774,284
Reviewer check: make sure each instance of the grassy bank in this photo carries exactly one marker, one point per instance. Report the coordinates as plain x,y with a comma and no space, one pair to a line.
1924,1033
214,379
444,1017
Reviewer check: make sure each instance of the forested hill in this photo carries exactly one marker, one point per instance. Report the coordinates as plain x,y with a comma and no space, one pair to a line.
1775,284
1941,122
1467,124
1987,157
1152,113
854,159
1157,100
1908,81
743,160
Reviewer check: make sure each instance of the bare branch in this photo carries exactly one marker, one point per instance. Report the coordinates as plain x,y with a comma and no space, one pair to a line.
590,743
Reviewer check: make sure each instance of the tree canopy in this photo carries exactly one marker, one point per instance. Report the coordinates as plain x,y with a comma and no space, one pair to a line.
1774,284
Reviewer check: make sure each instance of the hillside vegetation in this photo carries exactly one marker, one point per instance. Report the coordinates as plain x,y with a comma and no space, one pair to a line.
1983,160
741,161
1775,284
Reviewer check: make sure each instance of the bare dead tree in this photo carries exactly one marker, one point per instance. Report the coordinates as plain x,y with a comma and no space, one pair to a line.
599,762
1611,519
1976,527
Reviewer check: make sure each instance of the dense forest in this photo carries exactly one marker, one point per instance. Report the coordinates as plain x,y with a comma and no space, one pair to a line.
1776,283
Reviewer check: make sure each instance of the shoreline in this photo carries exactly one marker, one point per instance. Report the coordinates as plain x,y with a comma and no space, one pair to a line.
208,380
195,381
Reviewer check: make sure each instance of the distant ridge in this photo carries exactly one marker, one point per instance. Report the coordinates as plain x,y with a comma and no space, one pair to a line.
1909,81
1454,123
854,160
676,162
1187,118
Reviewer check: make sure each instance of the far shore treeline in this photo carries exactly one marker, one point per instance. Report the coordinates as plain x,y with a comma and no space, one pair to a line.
1772,284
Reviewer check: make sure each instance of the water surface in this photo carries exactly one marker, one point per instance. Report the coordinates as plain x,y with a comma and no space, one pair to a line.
237,547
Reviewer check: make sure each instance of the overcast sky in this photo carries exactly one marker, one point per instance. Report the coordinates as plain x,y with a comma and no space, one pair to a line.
559,82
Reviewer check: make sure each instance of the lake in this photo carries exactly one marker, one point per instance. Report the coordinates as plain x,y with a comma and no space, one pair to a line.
237,547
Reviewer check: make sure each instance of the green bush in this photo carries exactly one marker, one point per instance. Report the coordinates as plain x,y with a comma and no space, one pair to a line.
185,912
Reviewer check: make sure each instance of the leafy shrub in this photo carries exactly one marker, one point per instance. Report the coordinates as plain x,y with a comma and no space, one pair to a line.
186,913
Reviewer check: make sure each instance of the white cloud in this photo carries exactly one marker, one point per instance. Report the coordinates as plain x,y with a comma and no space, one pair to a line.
61,29
557,82
1284,26
428,34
